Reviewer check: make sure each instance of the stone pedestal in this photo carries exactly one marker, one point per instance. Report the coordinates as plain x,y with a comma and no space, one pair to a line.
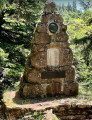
49,70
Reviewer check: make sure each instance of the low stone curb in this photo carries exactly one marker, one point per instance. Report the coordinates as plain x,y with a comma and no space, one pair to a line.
64,108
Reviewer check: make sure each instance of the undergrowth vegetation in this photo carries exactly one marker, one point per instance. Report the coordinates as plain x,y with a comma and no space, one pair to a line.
80,35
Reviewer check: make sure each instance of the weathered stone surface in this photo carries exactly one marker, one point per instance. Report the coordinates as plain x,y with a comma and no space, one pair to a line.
49,17
65,53
50,116
70,74
50,60
34,76
42,38
43,48
50,2
62,36
75,117
41,28
70,88
54,89
59,45
42,90
66,57
39,60
39,48
50,7
37,90
64,27
53,57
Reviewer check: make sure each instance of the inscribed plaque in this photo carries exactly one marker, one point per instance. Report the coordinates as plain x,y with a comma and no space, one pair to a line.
53,57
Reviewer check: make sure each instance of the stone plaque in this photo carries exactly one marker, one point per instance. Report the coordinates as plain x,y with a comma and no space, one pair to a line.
52,74
53,57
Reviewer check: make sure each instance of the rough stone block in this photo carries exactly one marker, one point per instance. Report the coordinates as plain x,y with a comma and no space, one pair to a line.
50,7
39,60
34,76
47,9
51,3
70,74
66,57
49,17
40,27
73,117
59,45
54,89
64,27
41,90
50,116
39,48
70,88
65,53
42,38
62,36
31,90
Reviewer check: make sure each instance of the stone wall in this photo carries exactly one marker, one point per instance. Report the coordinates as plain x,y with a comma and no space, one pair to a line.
64,108
62,112
74,112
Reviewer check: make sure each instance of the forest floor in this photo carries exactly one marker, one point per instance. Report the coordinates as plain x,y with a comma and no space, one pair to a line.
85,93
12,101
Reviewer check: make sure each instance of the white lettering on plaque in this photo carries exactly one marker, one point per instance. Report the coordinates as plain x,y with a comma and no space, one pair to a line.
53,57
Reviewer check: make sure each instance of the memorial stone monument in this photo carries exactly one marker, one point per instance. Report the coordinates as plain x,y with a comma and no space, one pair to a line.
48,70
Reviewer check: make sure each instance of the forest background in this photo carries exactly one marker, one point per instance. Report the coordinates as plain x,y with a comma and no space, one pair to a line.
17,23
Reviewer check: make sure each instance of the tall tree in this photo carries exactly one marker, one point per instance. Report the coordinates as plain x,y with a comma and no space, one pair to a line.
74,6
85,4
17,21
69,7
63,7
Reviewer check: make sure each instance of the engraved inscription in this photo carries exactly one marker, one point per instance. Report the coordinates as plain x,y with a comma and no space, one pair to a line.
53,57
52,74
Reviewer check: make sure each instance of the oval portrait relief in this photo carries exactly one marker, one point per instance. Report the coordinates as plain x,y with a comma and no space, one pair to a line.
53,27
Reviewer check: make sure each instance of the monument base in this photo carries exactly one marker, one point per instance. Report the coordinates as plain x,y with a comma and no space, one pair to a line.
49,89
72,108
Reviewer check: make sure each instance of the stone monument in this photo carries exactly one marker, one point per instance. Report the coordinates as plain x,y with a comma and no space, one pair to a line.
48,70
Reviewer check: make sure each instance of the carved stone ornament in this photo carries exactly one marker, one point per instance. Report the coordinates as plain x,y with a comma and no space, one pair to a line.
53,27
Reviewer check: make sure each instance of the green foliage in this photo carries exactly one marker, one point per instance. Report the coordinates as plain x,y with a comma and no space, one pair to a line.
85,4
80,35
17,22
87,16
34,116
3,56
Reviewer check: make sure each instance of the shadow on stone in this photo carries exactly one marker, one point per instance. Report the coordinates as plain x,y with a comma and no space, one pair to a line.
24,101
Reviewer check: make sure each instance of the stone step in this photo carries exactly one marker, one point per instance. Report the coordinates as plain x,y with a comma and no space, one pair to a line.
74,117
